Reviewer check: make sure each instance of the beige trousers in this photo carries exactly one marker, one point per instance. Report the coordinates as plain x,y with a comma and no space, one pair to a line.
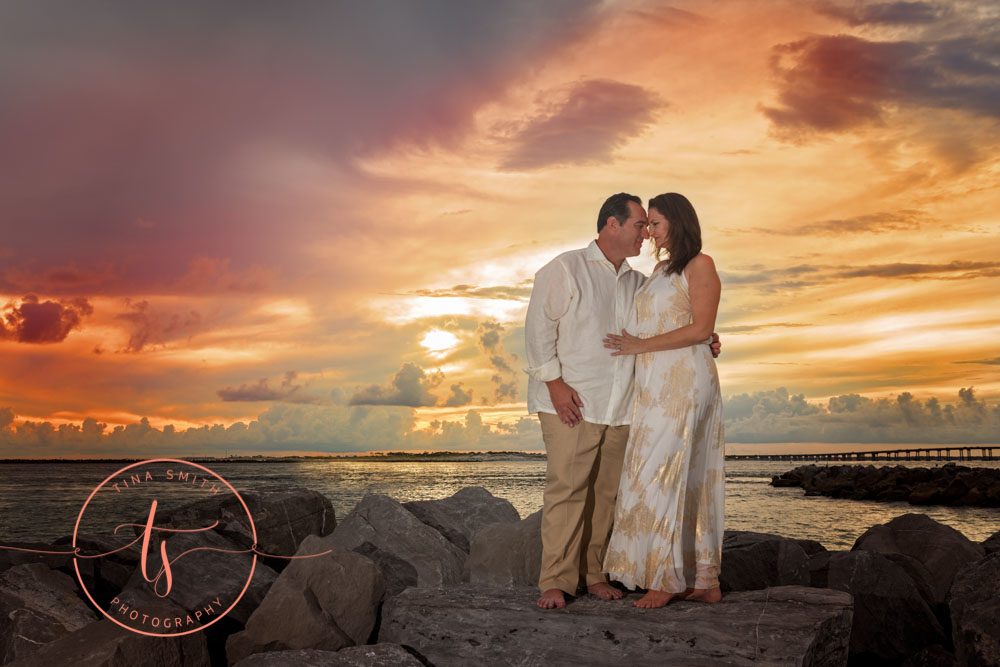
581,484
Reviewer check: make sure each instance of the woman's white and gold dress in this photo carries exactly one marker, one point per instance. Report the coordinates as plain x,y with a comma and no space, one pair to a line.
669,517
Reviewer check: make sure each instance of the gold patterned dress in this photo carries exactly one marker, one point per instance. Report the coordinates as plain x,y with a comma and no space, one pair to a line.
669,516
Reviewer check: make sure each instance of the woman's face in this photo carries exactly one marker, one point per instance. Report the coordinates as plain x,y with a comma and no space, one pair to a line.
659,228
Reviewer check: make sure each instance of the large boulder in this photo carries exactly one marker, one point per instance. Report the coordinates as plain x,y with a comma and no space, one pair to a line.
992,543
752,561
282,515
974,600
372,655
322,602
461,516
23,553
408,552
468,625
205,576
892,620
941,549
506,554
37,606
110,564
104,644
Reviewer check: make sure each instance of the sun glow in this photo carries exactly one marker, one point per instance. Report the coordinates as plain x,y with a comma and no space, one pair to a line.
438,341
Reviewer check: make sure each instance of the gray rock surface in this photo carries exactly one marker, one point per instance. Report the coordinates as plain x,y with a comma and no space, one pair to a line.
325,602
974,601
892,620
37,606
408,552
282,517
104,644
753,561
468,625
372,655
207,574
460,516
506,554
941,549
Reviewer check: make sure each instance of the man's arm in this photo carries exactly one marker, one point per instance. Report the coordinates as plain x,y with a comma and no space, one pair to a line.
550,299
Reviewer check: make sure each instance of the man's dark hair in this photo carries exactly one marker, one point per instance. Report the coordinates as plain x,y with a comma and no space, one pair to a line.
616,205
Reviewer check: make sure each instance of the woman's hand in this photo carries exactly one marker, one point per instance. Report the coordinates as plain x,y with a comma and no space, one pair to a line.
623,344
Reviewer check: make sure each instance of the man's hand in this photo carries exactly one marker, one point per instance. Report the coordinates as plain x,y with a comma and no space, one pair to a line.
566,402
716,345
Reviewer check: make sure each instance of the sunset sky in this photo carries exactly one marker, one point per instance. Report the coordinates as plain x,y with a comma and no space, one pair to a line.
312,227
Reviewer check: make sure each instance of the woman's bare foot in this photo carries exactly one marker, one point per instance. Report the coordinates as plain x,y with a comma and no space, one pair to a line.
604,591
551,599
654,599
705,595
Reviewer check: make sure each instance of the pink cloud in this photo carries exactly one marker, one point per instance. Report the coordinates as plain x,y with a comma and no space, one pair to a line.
35,321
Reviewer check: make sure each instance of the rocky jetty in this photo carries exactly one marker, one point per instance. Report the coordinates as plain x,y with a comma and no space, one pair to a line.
949,484
452,582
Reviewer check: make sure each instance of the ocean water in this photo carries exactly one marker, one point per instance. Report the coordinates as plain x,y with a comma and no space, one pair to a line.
40,502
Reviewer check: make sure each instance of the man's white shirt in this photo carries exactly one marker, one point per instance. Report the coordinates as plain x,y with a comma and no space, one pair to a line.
576,300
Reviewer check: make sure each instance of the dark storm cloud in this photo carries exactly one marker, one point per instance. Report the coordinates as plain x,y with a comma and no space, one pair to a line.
592,119
36,321
833,83
127,126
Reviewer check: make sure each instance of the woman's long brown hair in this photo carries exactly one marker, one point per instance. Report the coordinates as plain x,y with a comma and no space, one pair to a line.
684,234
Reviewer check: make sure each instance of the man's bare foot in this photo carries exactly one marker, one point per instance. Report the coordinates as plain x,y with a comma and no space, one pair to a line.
551,599
605,591
705,595
654,599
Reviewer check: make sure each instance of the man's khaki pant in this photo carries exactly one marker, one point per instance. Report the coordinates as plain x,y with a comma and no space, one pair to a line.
581,484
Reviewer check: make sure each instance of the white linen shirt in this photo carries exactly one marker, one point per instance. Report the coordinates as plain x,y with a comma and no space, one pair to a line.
576,300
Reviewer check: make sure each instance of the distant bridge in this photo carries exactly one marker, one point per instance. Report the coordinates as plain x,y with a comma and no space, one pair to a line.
936,453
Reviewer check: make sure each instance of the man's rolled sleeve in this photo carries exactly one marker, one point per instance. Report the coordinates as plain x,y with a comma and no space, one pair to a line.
550,299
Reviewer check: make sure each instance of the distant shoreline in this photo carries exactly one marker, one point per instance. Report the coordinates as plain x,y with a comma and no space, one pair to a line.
391,457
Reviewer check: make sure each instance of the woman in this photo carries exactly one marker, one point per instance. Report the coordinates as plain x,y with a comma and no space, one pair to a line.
667,535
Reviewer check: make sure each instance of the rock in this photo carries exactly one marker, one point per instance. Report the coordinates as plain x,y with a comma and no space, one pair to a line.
506,554
810,546
892,620
104,644
931,656
372,655
104,576
948,484
11,557
752,561
325,602
462,515
992,544
203,576
408,552
283,516
37,606
974,600
467,625
939,548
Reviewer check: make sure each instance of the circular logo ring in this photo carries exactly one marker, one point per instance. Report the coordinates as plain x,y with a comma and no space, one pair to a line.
79,518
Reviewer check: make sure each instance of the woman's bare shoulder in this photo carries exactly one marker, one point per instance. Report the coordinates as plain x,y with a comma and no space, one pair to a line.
701,262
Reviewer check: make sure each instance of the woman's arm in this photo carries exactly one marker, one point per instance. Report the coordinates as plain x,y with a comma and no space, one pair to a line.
704,289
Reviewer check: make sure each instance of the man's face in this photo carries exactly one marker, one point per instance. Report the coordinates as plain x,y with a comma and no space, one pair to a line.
633,231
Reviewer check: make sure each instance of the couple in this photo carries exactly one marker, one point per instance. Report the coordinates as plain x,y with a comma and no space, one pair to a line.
659,377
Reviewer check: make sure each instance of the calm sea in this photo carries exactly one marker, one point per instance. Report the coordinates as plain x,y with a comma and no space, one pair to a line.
41,502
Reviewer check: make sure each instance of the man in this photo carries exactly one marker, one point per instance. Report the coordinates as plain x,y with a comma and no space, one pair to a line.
583,395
